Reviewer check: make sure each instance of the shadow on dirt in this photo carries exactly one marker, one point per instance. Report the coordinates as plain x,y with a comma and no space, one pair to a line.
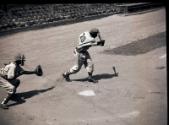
97,77
20,98
160,67
141,46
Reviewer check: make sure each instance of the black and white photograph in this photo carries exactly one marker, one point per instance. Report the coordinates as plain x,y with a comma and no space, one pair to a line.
83,64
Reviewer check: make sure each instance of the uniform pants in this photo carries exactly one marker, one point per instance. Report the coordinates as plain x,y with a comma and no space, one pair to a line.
7,86
10,86
83,58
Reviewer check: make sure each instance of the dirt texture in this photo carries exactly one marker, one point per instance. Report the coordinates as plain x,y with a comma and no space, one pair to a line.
135,45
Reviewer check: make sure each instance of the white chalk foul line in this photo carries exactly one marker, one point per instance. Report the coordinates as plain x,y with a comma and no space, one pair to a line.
87,93
130,114
163,56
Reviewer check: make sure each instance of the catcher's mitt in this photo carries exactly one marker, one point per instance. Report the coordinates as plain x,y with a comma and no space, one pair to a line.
101,43
38,70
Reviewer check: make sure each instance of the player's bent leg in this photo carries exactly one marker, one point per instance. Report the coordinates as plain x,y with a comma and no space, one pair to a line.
90,68
10,90
73,70
5,101
15,82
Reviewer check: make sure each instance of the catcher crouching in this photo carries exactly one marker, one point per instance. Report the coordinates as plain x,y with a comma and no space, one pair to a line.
9,75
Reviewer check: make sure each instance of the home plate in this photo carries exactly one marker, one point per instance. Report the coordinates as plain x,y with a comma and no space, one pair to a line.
87,93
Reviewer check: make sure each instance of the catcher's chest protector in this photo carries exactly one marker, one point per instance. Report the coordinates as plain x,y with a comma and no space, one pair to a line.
18,71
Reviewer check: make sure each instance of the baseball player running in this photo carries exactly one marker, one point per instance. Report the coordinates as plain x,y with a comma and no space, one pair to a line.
8,77
85,41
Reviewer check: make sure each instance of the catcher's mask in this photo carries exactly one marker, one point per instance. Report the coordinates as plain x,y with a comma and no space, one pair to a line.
94,32
19,59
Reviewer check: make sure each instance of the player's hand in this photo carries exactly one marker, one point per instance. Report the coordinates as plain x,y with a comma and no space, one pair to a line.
101,43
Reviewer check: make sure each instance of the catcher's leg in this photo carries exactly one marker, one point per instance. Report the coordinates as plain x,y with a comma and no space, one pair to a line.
15,82
10,90
5,101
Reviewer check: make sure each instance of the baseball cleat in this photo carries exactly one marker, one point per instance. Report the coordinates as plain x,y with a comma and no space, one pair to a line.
4,106
66,77
92,80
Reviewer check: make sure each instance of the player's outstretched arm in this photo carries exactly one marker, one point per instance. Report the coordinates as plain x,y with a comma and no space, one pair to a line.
38,71
101,42
27,72
99,36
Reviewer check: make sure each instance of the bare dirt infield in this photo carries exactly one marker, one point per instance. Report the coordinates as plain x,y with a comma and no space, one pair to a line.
135,45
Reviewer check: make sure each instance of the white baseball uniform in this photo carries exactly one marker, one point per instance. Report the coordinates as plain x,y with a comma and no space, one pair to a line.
9,72
85,41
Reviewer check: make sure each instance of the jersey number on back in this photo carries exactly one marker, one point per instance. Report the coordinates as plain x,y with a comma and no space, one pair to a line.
83,37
